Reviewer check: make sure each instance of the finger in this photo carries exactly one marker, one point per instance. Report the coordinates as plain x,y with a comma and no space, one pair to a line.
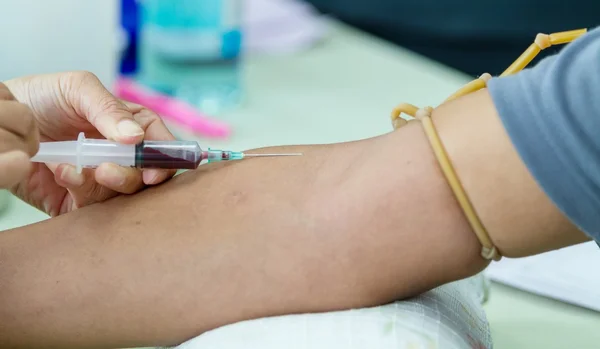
155,176
124,180
10,141
82,186
134,108
153,125
14,166
5,93
17,119
93,101
155,129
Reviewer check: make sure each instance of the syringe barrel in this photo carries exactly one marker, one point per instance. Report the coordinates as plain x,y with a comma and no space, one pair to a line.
90,153
168,154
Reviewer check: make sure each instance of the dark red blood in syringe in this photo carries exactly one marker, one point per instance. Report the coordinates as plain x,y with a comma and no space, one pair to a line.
149,157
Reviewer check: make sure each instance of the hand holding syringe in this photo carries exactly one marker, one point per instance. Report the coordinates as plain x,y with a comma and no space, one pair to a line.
90,153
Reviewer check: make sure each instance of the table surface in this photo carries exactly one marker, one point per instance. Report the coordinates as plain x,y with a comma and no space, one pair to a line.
341,90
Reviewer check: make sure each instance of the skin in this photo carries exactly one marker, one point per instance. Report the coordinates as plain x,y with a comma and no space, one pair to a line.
57,107
345,225
18,138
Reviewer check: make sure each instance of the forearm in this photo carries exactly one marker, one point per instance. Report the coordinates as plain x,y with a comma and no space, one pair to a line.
343,226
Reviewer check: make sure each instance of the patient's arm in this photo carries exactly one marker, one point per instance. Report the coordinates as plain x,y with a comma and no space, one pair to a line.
345,225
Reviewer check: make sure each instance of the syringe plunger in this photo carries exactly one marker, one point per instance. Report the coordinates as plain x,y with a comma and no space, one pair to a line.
86,153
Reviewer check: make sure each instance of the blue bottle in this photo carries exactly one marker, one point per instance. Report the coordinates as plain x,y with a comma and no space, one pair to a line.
129,25
191,49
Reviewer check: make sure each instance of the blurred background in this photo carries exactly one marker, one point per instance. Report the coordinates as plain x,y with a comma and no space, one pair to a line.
194,50
242,74
474,36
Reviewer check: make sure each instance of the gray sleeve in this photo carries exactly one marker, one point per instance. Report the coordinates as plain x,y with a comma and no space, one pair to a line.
552,115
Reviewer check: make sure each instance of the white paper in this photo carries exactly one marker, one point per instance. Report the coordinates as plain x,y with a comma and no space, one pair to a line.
571,275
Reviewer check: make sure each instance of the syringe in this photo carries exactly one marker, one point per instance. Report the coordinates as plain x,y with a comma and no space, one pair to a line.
90,153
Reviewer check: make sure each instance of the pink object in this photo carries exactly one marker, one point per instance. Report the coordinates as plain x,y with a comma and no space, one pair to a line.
171,109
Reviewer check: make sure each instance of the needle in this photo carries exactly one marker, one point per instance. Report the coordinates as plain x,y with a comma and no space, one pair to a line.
265,155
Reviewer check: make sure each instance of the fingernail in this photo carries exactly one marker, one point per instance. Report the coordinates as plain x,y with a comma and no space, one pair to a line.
129,128
150,176
70,175
47,208
116,175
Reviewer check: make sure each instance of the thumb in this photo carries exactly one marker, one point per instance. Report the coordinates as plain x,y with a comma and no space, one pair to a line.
92,101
